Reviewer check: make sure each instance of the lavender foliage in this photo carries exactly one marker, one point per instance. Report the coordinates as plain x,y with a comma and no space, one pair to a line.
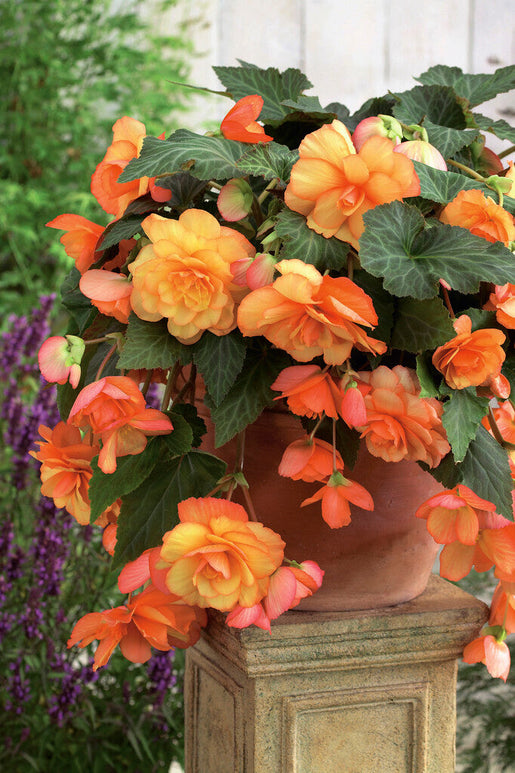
50,573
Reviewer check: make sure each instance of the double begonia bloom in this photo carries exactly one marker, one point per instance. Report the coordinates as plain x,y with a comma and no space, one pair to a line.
452,515
309,391
336,495
109,292
502,301
401,424
333,186
185,274
66,468
59,359
216,557
309,315
288,586
493,653
240,122
480,215
150,619
81,239
309,459
470,358
115,410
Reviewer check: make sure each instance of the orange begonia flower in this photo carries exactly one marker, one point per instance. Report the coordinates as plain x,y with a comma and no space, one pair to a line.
452,515
333,186
240,122
80,240
336,495
470,358
308,314
150,619
495,545
185,274
502,609
309,459
494,654
109,292
66,468
502,301
59,359
400,424
217,558
115,410
309,391
480,215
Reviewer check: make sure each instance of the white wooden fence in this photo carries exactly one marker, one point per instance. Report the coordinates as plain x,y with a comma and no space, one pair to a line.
349,49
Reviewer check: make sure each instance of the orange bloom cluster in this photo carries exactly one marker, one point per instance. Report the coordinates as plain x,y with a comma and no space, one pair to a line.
216,558
66,468
470,358
185,274
151,619
115,410
308,314
480,215
502,301
333,186
240,122
400,424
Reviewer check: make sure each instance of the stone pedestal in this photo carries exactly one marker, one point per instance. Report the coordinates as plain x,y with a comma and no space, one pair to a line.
343,692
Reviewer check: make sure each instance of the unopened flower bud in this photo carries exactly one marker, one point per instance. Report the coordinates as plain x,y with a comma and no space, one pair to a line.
235,200
420,150
377,126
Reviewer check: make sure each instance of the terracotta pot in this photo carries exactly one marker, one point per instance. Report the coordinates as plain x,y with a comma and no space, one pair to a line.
383,557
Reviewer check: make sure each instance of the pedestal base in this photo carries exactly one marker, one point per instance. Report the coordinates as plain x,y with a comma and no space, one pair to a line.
346,692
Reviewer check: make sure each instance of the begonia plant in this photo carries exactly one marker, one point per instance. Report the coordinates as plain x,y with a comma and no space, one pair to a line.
357,266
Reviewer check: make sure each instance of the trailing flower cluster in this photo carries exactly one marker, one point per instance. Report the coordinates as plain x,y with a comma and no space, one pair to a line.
357,268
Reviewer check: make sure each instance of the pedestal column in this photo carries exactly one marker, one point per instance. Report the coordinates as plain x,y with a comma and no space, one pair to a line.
335,692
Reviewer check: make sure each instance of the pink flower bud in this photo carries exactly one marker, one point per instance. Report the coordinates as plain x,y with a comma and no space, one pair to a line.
235,200
59,359
419,150
377,125
261,270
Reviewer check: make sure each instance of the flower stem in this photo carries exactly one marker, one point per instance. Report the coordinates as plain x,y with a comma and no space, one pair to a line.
466,169
105,361
507,152
170,383
447,300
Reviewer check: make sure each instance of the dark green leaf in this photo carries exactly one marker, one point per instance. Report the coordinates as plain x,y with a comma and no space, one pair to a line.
449,141
150,345
411,259
310,107
184,151
384,304
275,87
447,472
77,304
220,360
151,509
462,414
124,228
437,103
269,160
184,188
341,111
250,394
426,376
500,128
177,442
195,422
421,325
305,244
374,106
486,470
475,88
480,318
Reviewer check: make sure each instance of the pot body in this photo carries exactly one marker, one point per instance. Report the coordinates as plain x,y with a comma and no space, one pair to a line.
383,557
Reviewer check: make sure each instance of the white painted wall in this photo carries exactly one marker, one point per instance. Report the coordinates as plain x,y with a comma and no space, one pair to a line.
349,49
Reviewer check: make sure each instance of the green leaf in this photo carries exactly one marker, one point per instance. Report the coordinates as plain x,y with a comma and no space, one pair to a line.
447,472
374,106
184,189
425,374
500,128
437,103
250,394
444,186
462,414
475,88
275,87
486,470
449,141
151,509
76,303
384,303
309,107
411,259
184,151
305,244
220,360
124,228
150,345
269,160
177,442
195,422
421,325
